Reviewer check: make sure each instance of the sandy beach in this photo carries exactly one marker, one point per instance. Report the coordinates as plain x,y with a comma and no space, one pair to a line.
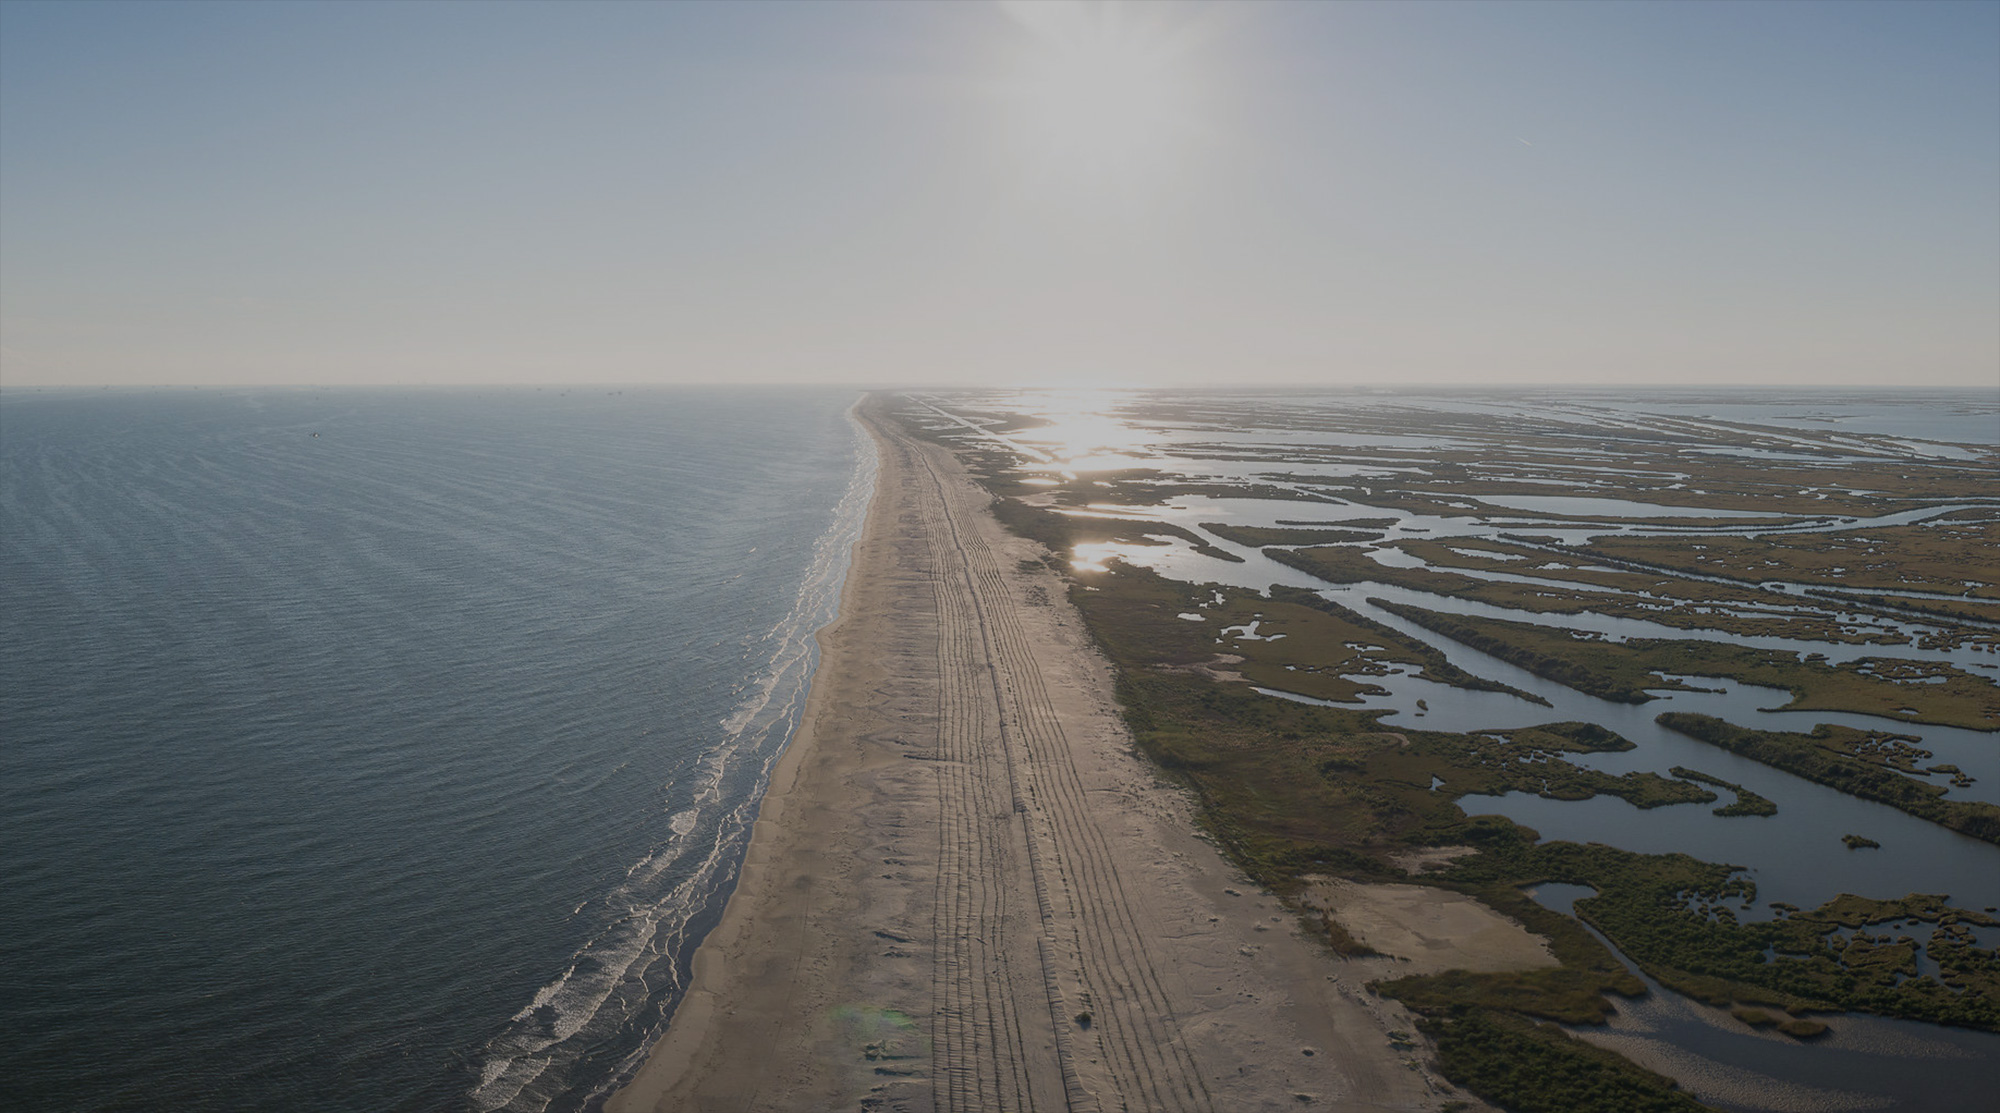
965,892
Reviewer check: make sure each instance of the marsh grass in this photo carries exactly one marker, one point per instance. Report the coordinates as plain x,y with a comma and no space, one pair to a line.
1867,764
1913,691
1952,557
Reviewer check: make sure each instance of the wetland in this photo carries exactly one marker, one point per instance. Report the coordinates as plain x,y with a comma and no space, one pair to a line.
1700,690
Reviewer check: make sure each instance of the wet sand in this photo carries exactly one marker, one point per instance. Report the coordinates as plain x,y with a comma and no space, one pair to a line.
964,891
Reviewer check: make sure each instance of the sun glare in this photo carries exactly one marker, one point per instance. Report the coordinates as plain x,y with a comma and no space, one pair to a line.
1099,96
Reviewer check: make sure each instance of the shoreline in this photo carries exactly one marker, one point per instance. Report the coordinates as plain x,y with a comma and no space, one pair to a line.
962,890
672,1056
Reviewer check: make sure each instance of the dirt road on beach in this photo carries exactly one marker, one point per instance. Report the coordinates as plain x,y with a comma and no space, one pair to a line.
964,893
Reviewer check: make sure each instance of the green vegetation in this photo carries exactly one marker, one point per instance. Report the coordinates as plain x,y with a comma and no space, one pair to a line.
1635,589
1347,564
1956,610
1673,915
1349,523
1338,939
1062,532
1539,1068
1260,536
1869,764
1131,488
1303,644
1795,1026
1566,566
1857,842
1433,662
1526,760
1746,802
1953,557
1574,658
1656,597
1914,691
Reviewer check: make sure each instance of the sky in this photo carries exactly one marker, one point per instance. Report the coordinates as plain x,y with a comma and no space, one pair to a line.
1078,194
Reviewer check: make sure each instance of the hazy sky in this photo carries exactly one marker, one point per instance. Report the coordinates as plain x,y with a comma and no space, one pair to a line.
1791,193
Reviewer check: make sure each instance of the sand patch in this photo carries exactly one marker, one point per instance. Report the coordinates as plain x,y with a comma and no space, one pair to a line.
1433,930
1429,858
1216,668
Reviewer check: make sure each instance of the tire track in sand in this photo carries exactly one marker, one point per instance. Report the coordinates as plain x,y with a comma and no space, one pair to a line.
1093,951
979,1060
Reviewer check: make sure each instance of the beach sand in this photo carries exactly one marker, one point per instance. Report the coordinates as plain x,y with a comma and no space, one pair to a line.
964,891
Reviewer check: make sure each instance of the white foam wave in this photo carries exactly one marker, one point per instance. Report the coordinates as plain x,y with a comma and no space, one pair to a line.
636,956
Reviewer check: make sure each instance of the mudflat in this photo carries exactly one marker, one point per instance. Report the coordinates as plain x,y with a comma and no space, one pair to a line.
965,892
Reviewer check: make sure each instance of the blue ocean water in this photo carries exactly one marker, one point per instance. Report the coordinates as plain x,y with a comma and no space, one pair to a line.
372,750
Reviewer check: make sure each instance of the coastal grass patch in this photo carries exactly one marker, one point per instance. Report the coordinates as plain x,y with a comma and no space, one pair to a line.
1571,566
1949,556
1136,491
1955,613
1891,688
1290,640
1573,658
1505,459
1063,532
1873,765
1258,537
1746,802
1527,1067
1530,760
1395,645
1678,918
1895,688
1663,601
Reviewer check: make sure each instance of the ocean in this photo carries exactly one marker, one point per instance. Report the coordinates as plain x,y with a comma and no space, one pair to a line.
388,750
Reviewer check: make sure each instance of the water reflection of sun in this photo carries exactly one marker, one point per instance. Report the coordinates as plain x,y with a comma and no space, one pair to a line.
1083,432
1094,556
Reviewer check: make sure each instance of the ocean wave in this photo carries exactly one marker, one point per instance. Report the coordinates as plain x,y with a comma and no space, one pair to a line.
620,986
